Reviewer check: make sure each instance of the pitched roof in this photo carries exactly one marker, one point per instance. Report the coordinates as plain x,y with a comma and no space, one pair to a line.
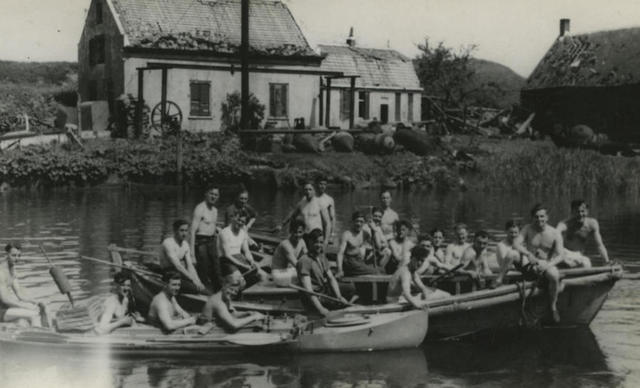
211,25
377,68
606,58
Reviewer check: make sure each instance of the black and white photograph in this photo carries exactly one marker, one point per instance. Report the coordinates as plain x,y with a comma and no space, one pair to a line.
319,193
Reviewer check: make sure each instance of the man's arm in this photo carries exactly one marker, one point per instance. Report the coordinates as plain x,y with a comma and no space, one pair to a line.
233,322
306,283
9,299
597,237
558,250
252,217
405,281
326,223
190,259
334,286
176,262
20,293
167,320
340,255
195,222
247,252
332,215
105,325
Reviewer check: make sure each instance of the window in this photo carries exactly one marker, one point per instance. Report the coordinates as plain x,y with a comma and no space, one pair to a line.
398,105
96,50
200,92
278,100
345,104
98,12
410,113
363,105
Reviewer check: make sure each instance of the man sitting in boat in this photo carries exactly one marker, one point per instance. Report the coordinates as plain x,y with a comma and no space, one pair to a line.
310,210
400,247
407,276
430,264
326,202
287,253
241,204
355,254
204,232
175,254
316,277
439,249
511,252
164,310
378,240
389,216
119,308
576,231
474,259
546,247
218,306
14,304
233,246
455,250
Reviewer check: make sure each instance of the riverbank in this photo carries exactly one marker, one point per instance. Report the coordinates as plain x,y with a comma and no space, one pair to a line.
462,162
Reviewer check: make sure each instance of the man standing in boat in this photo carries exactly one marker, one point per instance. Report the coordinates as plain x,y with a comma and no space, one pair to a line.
327,203
204,232
310,210
546,247
316,277
389,216
175,254
576,231
14,304
164,310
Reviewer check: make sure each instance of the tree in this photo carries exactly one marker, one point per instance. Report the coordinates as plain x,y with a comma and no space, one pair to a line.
231,112
445,72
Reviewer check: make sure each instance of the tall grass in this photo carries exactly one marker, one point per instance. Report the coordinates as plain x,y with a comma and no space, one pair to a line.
551,169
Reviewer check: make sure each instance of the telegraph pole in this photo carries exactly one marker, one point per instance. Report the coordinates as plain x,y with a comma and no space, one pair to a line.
244,62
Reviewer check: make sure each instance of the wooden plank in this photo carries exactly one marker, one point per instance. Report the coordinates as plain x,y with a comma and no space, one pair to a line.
260,132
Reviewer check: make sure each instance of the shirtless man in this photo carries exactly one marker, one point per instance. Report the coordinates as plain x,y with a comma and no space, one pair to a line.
576,231
378,239
14,304
400,247
315,275
355,250
119,307
439,249
455,250
474,259
164,310
408,276
233,246
545,244
327,203
287,253
218,306
175,254
430,263
310,210
203,238
389,216
511,251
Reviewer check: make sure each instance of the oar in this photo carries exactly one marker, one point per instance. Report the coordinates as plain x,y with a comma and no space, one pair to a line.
140,271
444,275
319,295
59,277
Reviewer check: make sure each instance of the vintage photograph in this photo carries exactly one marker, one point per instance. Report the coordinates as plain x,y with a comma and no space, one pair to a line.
319,193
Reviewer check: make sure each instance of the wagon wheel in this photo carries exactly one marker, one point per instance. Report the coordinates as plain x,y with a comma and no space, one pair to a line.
172,118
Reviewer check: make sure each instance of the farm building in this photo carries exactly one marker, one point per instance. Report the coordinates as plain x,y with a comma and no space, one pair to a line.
385,85
189,51
591,79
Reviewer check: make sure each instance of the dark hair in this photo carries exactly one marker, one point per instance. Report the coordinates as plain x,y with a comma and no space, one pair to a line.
312,236
385,191
436,230
481,234
241,213
460,225
400,223
376,209
211,187
576,203
419,252
356,215
242,191
10,246
171,274
121,277
178,223
536,208
321,178
511,223
424,237
295,224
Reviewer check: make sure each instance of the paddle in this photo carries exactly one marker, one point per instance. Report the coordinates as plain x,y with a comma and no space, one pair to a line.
319,295
140,271
444,275
59,277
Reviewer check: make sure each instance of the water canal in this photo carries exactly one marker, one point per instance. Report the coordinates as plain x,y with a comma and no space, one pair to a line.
86,221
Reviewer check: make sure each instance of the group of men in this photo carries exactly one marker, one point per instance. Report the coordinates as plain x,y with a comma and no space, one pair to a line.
376,243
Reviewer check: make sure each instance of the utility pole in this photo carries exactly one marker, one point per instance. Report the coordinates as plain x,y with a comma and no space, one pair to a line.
244,62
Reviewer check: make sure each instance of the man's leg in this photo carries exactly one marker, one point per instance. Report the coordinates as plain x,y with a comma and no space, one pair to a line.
553,278
203,267
17,313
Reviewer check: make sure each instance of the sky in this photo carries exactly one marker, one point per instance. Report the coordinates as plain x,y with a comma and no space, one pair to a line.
515,33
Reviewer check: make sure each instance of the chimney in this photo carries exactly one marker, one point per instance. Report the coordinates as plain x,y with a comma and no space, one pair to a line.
565,29
351,41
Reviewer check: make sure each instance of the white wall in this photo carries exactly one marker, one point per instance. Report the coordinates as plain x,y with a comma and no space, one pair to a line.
302,101
376,98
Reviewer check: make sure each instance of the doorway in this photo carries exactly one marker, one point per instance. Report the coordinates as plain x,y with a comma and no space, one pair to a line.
384,113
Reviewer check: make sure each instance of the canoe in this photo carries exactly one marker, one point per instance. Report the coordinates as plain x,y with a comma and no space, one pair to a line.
144,340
